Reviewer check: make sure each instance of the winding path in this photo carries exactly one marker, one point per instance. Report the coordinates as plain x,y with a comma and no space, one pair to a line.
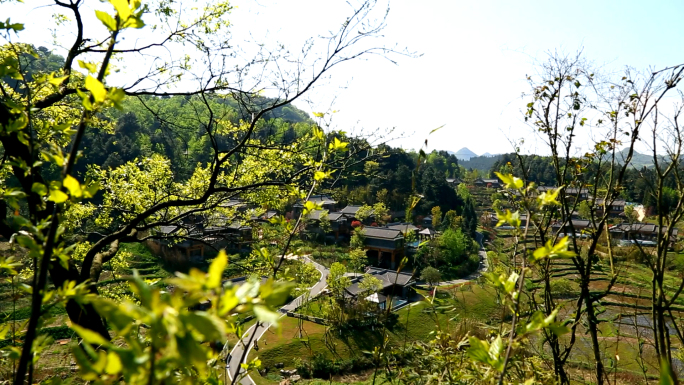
235,358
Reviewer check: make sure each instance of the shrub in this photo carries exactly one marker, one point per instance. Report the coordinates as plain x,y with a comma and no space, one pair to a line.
431,275
320,366
677,263
562,286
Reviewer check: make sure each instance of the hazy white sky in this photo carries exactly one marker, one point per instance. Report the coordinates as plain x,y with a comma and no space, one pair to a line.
475,55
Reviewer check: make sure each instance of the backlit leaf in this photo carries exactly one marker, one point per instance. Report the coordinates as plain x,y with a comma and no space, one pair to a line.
96,88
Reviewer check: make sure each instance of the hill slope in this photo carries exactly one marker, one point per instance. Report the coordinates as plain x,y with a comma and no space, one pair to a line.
480,163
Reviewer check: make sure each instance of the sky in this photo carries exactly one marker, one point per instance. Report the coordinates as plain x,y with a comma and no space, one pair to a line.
474,57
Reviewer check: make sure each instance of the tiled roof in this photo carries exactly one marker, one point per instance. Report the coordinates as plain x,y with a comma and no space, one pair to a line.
381,232
238,226
641,228
168,229
350,210
319,200
387,277
390,277
403,227
636,227
316,215
576,223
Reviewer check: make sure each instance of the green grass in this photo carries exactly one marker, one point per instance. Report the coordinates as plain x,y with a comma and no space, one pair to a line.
415,323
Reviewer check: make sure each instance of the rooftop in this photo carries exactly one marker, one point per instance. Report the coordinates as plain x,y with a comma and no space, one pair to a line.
381,233
403,227
319,200
391,277
387,277
316,215
350,210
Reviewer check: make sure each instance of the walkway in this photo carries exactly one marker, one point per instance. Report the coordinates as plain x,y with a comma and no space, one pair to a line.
234,359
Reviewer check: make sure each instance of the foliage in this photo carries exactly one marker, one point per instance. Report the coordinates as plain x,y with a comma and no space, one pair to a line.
378,212
336,280
369,284
584,210
176,349
131,181
455,246
357,260
358,238
437,216
430,275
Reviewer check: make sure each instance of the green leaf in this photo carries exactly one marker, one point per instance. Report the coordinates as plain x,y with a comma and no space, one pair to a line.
549,198
309,207
90,67
114,314
319,114
436,129
265,315
106,19
116,96
665,376
510,181
55,81
478,350
338,145
39,188
559,250
319,175
277,293
495,350
16,27
58,196
96,88
558,329
210,329
90,336
218,265
512,219
509,285
114,365
318,134
122,8
73,186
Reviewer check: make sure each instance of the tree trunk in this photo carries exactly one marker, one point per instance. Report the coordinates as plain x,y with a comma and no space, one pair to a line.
87,317
593,332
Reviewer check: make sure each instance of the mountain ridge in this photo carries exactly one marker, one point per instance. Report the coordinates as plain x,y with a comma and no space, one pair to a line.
463,154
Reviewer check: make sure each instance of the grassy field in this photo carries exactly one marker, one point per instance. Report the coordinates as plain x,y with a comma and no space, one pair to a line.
415,323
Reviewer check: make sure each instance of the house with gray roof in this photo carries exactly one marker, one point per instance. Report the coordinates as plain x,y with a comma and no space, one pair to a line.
350,211
615,208
338,222
640,232
384,242
395,285
325,201
403,227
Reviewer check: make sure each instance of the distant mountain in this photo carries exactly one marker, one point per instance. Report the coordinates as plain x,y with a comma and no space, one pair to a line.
638,160
489,155
464,154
